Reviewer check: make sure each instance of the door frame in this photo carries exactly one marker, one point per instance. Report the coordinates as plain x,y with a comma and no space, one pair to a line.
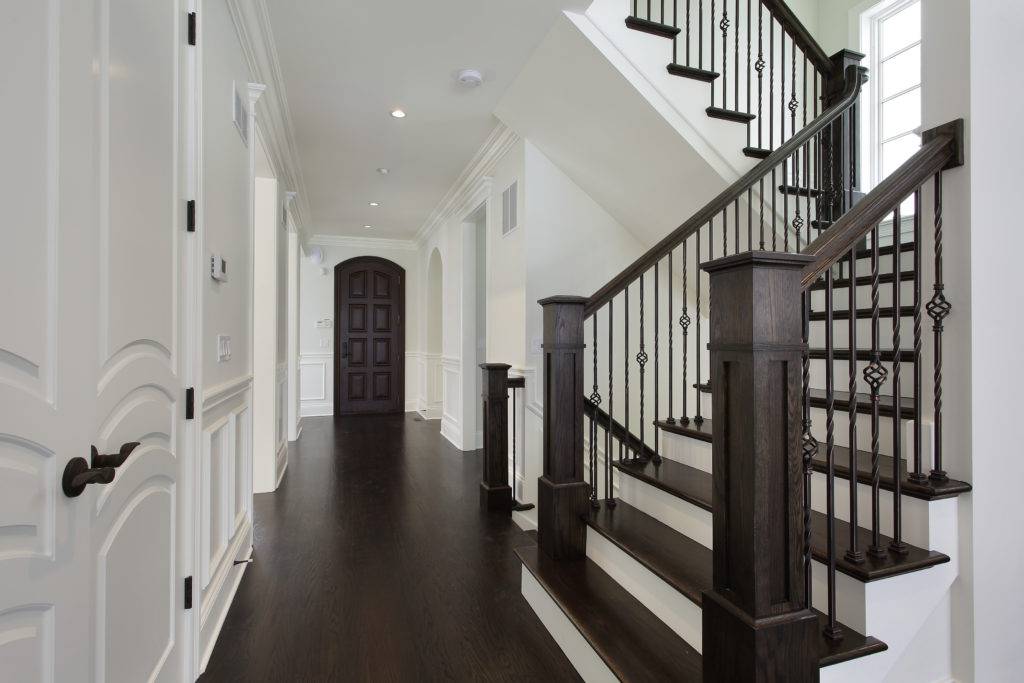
400,332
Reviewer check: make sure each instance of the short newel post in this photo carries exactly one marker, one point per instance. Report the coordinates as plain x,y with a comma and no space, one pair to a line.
562,494
495,492
756,623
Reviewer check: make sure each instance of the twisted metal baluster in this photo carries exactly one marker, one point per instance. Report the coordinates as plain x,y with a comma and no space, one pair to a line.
761,195
595,401
918,476
625,370
684,322
832,630
671,419
609,490
897,545
698,419
657,365
938,308
853,553
875,375
641,360
736,62
711,38
808,443
793,102
700,41
759,66
750,44
724,25
687,32
725,232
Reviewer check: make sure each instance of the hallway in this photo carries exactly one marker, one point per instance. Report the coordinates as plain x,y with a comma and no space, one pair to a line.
374,563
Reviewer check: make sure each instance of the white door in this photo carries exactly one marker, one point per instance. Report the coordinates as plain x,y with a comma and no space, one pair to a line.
91,249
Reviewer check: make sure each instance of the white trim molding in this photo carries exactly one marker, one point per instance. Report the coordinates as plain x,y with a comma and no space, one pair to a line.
316,399
362,242
216,395
477,171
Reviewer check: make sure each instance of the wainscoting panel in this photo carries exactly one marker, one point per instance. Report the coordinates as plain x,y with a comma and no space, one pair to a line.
316,383
451,392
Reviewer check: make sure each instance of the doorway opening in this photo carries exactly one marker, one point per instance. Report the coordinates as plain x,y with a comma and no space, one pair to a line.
369,336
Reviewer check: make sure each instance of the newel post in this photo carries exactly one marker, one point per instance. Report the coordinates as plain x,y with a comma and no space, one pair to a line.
562,494
495,492
757,626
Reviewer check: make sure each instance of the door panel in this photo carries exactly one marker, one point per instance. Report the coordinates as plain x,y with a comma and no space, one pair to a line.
90,585
370,344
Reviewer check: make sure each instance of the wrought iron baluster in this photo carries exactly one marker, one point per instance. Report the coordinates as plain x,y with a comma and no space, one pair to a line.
725,232
736,226
771,93
724,26
897,545
700,40
687,32
625,371
760,193
750,44
671,406
684,322
711,38
609,491
641,360
875,375
938,308
736,60
808,443
759,66
595,401
698,419
853,553
657,365
832,630
918,474
793,103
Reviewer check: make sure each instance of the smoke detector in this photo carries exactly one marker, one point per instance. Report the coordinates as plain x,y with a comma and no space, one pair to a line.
470,78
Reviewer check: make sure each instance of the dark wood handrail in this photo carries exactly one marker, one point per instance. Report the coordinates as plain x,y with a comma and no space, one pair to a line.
942,148
800,35
855,76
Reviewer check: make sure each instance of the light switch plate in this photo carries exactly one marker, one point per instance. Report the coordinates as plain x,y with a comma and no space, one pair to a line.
223,348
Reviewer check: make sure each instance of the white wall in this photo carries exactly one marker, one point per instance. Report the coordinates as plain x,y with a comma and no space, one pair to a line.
316,352
506,269
224,492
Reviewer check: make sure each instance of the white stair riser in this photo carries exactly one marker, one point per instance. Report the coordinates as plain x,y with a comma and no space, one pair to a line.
841,297
914,510
841,373
841,333
687,450
581,655
689,520
677,611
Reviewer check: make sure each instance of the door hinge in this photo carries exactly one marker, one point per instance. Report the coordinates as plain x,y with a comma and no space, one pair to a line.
188,592
190,403
190,215
191,28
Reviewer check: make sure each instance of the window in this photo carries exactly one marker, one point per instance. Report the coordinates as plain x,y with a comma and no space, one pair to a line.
892,43
891,40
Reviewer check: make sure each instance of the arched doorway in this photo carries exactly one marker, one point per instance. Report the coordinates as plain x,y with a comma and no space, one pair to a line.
369,337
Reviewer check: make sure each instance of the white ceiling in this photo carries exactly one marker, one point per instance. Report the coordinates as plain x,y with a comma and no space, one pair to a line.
347,64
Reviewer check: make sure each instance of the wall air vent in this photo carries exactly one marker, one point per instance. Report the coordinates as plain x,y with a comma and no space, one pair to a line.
509,206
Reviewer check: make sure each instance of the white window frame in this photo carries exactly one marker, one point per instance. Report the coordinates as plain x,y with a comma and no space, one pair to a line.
872,102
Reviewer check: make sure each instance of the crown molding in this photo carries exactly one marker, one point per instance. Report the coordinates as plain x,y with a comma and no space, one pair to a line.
474,177
252,24
362,242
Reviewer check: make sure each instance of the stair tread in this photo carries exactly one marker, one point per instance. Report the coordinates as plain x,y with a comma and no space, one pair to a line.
757,152
692,72
886,403
687,483
634,643
690,429
687,566
927,490
864,280
729,115
653,27
864,313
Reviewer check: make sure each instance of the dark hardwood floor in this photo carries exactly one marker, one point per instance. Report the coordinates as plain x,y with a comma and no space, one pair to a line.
373,562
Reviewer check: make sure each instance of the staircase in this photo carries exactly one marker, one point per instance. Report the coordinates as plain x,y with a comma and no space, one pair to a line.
743,467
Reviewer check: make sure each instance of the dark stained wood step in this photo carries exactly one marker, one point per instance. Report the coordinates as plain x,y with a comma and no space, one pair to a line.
864,313
926,490
687,483
756,152
795,191
729,115
655,28
635,644
864,280
686,566
690,429
887,355
675,478
692,72
841,403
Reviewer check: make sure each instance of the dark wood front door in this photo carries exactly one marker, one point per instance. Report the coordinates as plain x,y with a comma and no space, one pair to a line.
369,338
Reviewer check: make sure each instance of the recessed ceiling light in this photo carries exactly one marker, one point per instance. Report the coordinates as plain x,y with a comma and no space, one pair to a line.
470,78
367,226
398,114
383,171
374,203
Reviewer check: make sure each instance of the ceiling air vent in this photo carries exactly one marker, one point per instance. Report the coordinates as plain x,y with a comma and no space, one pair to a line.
509,203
